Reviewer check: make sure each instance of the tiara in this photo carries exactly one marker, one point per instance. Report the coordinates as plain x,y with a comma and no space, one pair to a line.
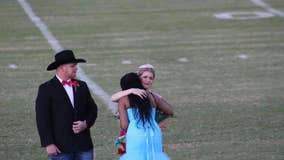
146,66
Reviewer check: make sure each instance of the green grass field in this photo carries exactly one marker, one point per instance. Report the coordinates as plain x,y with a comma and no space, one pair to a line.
227,106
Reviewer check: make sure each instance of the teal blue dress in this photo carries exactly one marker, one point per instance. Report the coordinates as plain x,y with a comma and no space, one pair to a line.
143,142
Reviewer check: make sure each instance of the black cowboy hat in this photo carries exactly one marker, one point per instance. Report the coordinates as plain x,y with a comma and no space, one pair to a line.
63,57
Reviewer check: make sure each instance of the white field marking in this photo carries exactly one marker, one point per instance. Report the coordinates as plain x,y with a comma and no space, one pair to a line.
198,38
243,56
243,15
173,49
127,39
171,35
90,64
13,66
182,42
22,48
40,24
183,59
96,89
126,62
268,8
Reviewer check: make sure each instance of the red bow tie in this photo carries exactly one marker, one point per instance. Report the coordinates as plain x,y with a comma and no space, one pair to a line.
69,83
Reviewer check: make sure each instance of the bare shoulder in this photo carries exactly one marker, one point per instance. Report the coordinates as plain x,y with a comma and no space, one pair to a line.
124,101
157,95
152,100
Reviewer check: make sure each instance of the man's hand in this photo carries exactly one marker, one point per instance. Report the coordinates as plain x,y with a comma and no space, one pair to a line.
79,126
52,150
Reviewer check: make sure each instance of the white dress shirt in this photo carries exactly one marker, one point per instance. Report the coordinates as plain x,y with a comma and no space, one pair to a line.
68,89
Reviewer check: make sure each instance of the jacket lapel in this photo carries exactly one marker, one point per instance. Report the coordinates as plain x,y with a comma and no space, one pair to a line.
75,93
62,91
75,109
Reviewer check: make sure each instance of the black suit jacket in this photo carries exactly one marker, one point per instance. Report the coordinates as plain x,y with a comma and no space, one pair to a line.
55,115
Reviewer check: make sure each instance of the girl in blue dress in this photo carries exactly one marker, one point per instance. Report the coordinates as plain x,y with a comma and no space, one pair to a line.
137,116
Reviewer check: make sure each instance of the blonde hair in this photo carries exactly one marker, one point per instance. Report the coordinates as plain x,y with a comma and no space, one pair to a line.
146,67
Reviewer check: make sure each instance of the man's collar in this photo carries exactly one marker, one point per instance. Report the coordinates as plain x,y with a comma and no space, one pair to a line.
60,80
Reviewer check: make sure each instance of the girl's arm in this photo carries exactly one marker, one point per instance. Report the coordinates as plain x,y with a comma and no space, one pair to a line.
163,105
122,113
139,92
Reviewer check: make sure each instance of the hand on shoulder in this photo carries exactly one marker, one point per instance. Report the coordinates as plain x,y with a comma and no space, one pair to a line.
139,92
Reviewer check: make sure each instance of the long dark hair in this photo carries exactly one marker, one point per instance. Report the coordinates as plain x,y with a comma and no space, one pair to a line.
132,80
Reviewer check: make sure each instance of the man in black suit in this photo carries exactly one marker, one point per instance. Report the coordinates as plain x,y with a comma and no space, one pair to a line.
65,111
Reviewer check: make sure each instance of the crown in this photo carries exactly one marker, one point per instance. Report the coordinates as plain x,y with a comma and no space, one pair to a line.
146,66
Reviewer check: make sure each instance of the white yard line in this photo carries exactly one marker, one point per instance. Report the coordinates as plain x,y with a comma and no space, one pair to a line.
265,6
42,27
55,45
